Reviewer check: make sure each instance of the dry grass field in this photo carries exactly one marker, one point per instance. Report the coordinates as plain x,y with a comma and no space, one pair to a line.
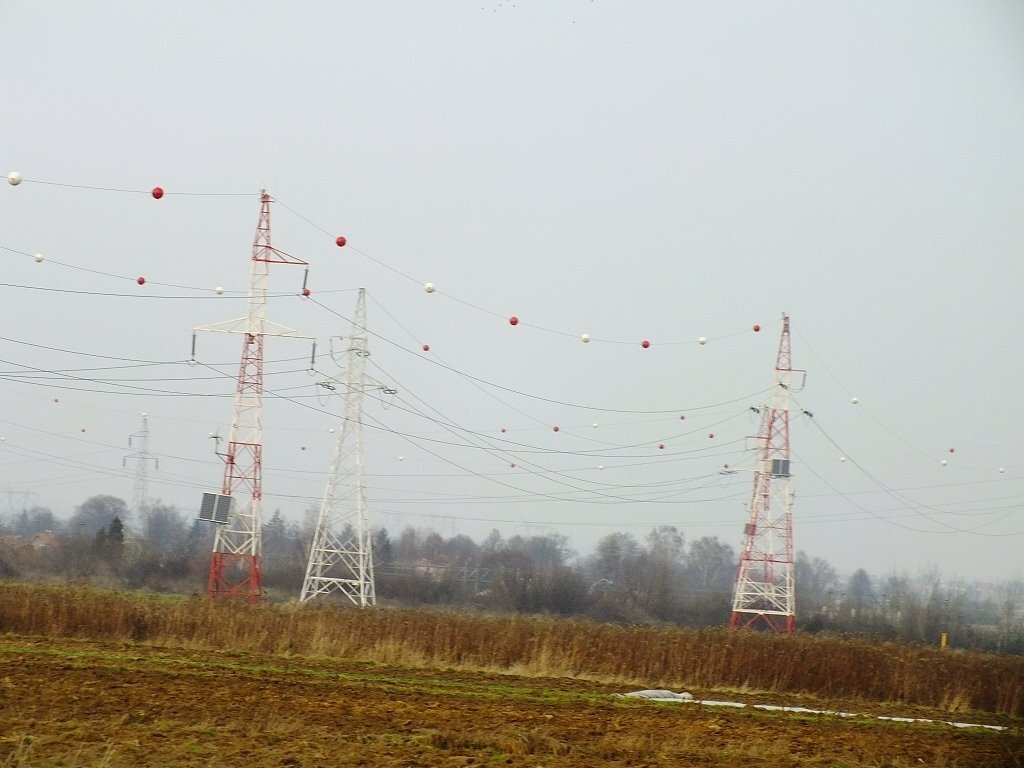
90,678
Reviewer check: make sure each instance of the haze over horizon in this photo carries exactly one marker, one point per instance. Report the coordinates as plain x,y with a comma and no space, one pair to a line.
662,171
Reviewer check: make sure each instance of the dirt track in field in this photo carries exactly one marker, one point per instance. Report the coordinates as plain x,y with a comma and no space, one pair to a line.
75,703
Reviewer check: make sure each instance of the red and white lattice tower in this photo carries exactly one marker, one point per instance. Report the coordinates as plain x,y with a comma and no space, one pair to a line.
764,595
236,559
341,554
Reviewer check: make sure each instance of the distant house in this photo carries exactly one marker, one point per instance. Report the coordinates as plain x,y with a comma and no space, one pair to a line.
44,540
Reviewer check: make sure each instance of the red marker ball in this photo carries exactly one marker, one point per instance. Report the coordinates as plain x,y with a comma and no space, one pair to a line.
682,418
305,291
645,343
504,430
56,400
426,347
725,466
140,280
513,320
711,435
303,447
554,429
83,429
157,193
757,328
512,465
340,241
952,450
661,446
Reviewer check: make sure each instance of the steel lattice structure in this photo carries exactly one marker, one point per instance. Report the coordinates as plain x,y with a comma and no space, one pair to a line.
142,457
341,555
236,559
764,591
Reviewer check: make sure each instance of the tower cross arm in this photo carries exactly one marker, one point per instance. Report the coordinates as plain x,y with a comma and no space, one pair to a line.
242,325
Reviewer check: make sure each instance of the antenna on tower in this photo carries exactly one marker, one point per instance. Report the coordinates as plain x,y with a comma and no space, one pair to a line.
341,555
142,457
236,567
764,593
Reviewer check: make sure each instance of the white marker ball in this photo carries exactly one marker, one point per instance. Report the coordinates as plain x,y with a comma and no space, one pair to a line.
585,338
944,462
1002,470
600,466
429,288
14,178
594,425
702,340
38,257
854,400
842,459
143,414
401,458
219,290
331,430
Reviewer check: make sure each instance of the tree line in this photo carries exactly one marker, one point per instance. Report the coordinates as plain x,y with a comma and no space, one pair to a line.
659,578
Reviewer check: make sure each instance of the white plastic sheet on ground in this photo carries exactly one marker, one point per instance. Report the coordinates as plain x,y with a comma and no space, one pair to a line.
660,694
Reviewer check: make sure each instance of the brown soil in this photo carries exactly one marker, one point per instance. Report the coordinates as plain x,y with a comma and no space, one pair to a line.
79,703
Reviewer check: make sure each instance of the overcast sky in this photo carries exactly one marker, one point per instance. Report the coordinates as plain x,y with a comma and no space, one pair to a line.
629,170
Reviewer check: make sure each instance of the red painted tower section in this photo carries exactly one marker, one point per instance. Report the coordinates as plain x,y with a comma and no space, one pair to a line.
236,568
764,592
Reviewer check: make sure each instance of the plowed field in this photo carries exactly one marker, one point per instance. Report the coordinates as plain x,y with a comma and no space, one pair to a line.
81,703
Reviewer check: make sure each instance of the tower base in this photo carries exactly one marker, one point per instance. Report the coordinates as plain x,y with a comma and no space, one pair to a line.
238,576
784,625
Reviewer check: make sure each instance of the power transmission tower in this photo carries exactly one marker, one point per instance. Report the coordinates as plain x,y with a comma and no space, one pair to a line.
236,567
341,555
764,594
142,457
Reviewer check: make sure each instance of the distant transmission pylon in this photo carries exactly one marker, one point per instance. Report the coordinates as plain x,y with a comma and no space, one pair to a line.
341,555
142,457
236,567
764,592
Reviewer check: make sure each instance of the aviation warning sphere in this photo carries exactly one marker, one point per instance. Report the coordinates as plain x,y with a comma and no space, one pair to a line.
513,320
702,340
38,257
157,193
340,241
14,178
585,338
429,288
219,290
854,400
757,328
645,343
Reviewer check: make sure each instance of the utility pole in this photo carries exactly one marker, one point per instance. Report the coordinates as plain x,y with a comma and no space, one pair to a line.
341,555
236,567
142,457
764,591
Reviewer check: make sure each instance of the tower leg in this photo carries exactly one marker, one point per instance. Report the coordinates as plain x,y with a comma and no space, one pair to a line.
234,575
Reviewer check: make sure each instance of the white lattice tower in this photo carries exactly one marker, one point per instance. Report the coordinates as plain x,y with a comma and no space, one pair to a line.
341,555
142,458
236,560
764,592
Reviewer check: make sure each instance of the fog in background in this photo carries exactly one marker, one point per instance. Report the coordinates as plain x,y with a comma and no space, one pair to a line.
660,170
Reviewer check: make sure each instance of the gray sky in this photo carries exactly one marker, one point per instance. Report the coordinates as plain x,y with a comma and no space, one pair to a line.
656,170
